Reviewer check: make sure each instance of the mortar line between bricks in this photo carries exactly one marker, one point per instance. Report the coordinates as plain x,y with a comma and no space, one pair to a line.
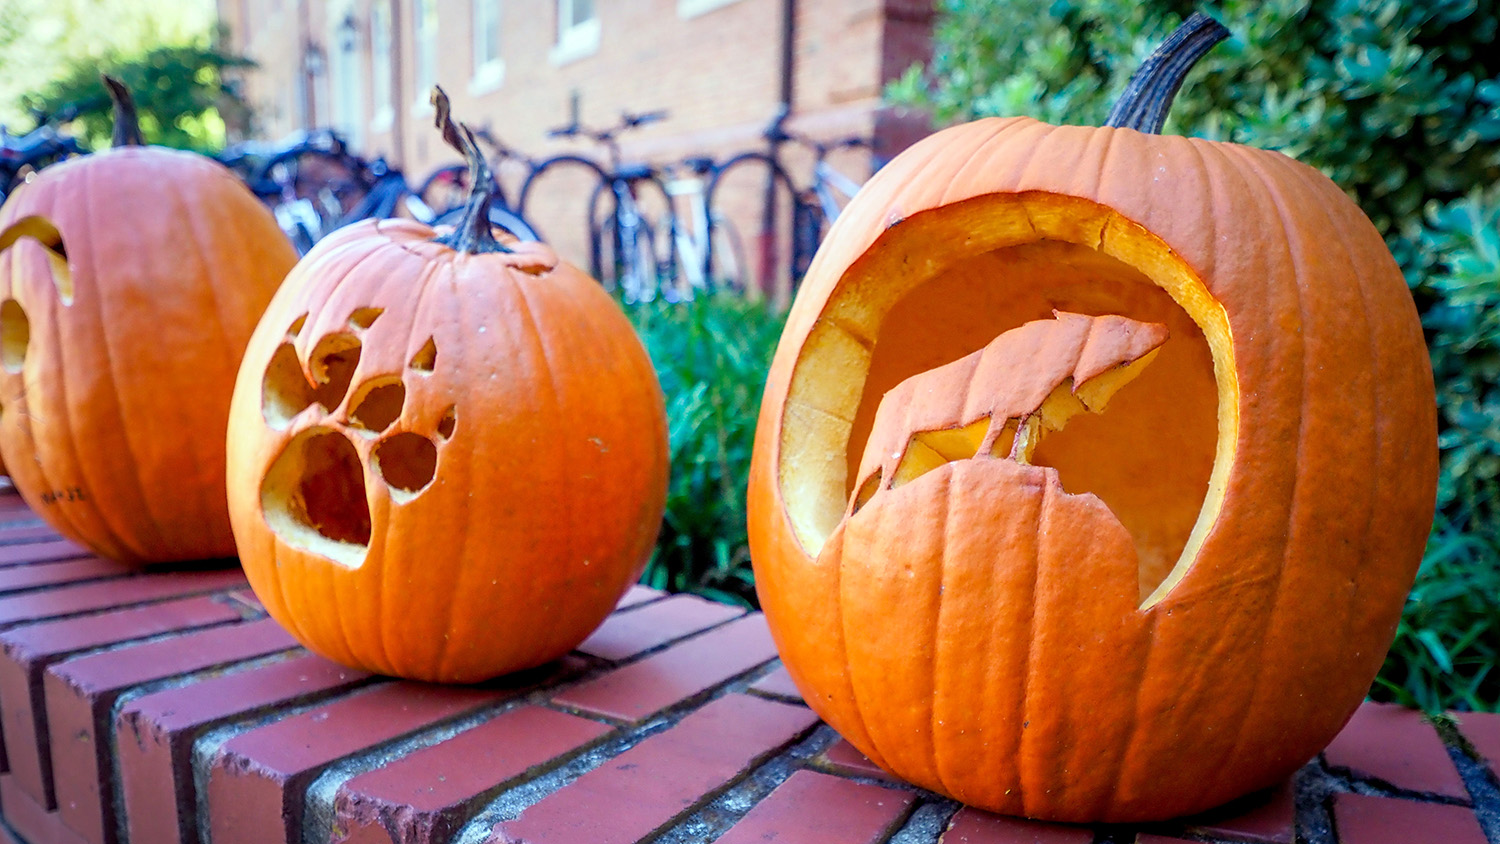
328,799
111,784
209,740
18,591
1358,783
737,799
658,648
1479,779
737,683
159,599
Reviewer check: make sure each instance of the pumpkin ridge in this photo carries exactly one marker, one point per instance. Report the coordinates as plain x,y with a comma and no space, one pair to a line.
124,429
1025,773
1267,623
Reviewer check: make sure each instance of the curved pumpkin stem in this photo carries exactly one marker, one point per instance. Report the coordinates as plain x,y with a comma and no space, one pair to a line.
127,123
472,234
1148,95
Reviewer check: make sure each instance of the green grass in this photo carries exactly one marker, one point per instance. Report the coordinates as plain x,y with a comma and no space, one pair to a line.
711,355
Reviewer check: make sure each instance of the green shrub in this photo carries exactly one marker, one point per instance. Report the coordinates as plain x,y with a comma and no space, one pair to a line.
1398,101
711,355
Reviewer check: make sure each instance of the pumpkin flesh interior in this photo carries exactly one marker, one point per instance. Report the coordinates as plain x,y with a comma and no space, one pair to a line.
946,282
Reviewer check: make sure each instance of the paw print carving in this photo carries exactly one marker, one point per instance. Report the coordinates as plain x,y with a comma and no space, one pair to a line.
347,435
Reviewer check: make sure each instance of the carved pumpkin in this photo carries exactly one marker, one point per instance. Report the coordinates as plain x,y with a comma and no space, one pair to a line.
1001,589
130,281
447,456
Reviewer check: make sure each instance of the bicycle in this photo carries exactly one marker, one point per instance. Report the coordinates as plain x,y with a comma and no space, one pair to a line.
22,155
792,220
703,258
621,242
446,190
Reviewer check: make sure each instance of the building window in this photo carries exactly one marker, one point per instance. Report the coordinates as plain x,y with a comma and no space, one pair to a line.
693,8
424,39
348,103
577,31
489,66
380,67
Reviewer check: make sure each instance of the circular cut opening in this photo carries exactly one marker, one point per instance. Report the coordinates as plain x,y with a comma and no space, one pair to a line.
377,405
995,263
313,497
407,462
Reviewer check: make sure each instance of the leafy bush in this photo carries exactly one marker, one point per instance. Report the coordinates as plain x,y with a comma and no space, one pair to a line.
1398,101
711,355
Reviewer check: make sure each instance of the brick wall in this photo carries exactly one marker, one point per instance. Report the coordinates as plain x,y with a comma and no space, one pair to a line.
716,71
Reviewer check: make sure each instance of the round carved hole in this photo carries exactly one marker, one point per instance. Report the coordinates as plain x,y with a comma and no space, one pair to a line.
313,497
377,406
407,462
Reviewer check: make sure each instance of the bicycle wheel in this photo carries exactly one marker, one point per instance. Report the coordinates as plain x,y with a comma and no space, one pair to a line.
505,221
624,241
334,184
753,196
447,188
557,200
727,264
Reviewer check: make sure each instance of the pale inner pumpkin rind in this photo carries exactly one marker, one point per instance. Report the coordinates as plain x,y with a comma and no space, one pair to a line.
826,414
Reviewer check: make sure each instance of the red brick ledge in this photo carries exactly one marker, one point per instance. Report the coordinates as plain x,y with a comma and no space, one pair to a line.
164,707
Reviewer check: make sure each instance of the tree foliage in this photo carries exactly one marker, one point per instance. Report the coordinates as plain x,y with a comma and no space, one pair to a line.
179,91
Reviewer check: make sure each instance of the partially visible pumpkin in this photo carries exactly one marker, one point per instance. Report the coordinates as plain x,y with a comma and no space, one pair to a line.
130,281
447,456
1164,603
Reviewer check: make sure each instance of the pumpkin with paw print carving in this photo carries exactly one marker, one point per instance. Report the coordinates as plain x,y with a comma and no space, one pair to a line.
1093,468
130,282
447,455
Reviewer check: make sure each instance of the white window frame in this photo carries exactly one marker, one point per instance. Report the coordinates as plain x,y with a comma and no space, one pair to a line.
424,32
489,71
382,43
574,40
687,9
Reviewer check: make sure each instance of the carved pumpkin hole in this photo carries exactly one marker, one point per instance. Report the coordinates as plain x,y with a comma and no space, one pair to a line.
15,335
426,357
446,425
50,239
284,392
407,462
333,364
296,327
313,497
377,405
363,318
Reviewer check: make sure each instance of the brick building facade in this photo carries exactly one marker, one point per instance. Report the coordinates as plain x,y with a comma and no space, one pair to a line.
719,67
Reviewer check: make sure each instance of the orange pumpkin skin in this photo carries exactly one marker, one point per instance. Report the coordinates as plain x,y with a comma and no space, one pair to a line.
542,421
131,280
980,634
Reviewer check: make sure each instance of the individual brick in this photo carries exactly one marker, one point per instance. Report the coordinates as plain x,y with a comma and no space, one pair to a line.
664,777
258,779
81,691
638,594
57,573
1395,745
971,826
1363,819
1482,729
624,635
1267,819
40,552
777,684
91,597
817,807
155,734
688,668
30,818
427,795
841,757
25,653
22,534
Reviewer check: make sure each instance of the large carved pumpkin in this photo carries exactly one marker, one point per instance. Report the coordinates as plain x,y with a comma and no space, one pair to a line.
447,457
1002,589
130,281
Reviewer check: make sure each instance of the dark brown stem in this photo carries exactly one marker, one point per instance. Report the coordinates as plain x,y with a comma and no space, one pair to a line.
1148,95
473,233
127,124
